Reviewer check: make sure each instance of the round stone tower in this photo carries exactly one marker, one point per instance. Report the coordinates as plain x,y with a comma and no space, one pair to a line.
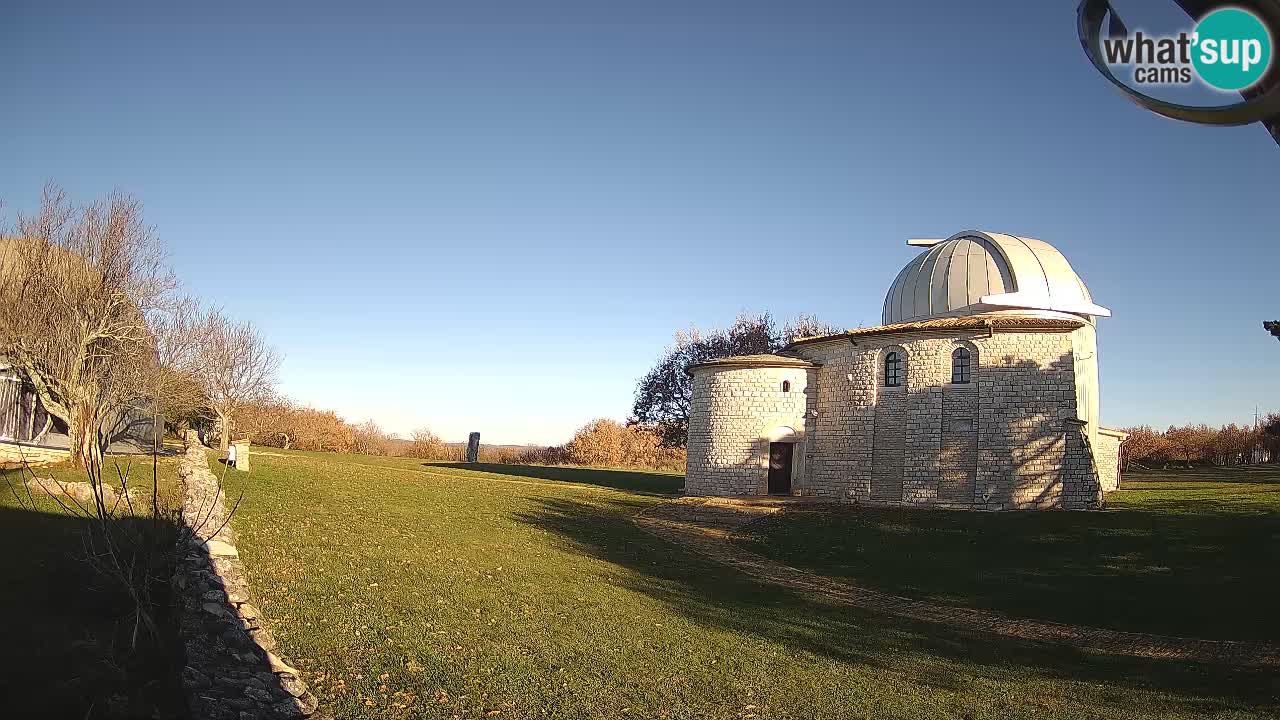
747,425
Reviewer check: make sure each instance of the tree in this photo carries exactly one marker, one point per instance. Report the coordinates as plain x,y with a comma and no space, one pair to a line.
1232,444
663,395
370,439
805,326
236,367
1144,445
79,286
178,394
272,422
1191,443
1272,327
428,446
279,423
1269,438
599,443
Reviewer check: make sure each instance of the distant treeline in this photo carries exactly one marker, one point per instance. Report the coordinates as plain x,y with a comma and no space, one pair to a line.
599,443
1204,444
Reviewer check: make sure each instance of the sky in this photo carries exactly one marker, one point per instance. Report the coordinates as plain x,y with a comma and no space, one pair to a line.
493,216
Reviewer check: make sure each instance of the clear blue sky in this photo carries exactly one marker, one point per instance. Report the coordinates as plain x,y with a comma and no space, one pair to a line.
492,216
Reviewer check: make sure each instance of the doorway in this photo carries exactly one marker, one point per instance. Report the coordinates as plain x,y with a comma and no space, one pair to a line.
780,468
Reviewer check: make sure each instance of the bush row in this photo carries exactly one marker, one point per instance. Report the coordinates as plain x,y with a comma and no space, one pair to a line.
599,443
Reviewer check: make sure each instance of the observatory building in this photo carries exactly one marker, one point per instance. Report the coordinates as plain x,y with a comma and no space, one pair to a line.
978,391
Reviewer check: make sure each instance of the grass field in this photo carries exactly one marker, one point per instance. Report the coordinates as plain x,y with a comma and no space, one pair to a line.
65,633
1190,553
409,590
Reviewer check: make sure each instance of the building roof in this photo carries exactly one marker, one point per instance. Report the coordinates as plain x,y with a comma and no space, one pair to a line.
973,272
763,361
971,322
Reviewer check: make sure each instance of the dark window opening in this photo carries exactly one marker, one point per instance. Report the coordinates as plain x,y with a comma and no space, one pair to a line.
961,365
893,369
786,386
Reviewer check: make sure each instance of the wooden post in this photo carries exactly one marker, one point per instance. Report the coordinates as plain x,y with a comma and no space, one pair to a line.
473,447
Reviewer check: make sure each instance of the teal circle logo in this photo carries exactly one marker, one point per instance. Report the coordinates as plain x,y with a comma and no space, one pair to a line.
1232,49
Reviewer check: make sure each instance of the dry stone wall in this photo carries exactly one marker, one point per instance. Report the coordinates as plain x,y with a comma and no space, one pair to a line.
232,670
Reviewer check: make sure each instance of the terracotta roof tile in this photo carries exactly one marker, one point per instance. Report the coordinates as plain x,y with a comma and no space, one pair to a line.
968,322
757,361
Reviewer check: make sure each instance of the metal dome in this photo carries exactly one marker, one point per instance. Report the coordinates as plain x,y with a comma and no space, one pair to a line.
974,272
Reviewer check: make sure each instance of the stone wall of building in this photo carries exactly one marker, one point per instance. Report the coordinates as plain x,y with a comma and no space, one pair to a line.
17,454
1107,452
1009,439
1026,395
735,413
998,442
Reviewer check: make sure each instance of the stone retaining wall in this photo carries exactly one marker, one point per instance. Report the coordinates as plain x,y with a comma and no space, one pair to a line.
232,670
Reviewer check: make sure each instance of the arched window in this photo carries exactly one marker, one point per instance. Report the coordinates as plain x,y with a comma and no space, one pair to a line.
786,386
893,369
961,365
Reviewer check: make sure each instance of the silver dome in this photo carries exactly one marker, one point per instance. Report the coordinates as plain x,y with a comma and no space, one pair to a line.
974,272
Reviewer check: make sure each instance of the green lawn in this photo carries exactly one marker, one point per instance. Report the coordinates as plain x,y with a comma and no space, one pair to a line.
65,633
1190,553
409,590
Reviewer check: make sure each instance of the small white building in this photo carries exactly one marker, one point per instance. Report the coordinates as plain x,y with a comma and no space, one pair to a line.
979,390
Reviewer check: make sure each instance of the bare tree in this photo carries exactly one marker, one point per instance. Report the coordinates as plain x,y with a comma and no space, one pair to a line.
236,366
806,326
426,444
370,439
78,288
179,396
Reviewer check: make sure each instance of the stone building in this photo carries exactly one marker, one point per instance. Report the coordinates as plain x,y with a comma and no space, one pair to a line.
30,435
978,391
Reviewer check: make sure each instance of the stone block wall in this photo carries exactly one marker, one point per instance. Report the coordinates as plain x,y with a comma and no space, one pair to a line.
998,442
1026,395
736,412
1009,439
958,456
1107,452
17,454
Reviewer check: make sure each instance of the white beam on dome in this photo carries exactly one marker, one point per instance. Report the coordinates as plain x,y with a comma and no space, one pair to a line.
1035,301
925,242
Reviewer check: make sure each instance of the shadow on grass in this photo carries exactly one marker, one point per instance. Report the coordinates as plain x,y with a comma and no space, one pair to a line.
924,654
65,632
651,483
1192,569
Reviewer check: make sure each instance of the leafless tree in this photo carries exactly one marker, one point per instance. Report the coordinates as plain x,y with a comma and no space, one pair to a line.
370,439
236,366
426,444
79,286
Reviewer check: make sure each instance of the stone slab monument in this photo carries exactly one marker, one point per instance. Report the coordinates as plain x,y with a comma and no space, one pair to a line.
473,447
242,455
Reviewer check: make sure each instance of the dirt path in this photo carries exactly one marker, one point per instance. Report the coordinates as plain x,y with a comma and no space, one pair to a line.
709,526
